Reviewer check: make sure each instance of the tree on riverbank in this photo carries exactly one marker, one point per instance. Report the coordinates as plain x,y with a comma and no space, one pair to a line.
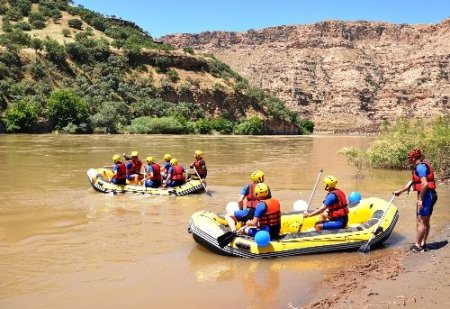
391,148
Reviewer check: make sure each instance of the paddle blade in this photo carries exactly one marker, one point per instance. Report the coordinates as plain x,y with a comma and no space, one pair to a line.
365,248
226,238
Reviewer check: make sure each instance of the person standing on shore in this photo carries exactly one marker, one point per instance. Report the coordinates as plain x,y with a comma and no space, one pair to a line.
422,182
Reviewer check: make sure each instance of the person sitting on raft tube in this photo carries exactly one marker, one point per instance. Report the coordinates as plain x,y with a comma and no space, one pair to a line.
153,178
267,213
134,167
120,171
176,175
334,209
199,164
248,194
167,157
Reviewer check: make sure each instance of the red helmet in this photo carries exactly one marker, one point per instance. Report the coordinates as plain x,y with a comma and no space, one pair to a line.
414,154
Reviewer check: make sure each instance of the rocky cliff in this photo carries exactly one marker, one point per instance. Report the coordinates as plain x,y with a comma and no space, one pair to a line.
345,76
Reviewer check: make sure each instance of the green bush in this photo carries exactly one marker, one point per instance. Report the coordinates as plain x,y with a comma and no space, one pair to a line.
186,110
223,126
252,126
55,51
65,107
21,117
24,26
208,126
173,76
162,64
391,148
75,23
164,125
111,118
203,126
150,107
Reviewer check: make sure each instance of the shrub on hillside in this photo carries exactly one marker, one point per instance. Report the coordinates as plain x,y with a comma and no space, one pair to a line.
111,118
251,126
21,117
75,23
65,107
163,125
55,51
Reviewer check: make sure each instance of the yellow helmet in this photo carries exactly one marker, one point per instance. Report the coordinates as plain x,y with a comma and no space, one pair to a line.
150,160
173,161
261,191
257,176
134,154
116,158
198,153
167,157
329,182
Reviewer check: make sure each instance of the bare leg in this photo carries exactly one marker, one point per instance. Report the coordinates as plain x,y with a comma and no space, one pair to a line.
421,231
426,224
231,222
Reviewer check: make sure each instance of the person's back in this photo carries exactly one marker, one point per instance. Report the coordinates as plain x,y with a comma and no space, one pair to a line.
199,164
120,172
267,213
153,178
176,175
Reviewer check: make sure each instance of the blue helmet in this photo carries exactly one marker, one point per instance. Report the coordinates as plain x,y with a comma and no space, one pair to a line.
354,198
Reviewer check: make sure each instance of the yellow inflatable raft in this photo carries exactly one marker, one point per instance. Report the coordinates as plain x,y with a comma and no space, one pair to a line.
298,235
100,181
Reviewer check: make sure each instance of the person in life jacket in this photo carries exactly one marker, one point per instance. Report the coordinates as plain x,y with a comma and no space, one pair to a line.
134,165
153,177
334,209
267,213
176,175
248,194
423,182
199,164
120,171
167,157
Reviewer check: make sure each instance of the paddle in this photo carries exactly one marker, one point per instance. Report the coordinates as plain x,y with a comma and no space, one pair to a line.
314,190
143,180
228,237
366,247
201,181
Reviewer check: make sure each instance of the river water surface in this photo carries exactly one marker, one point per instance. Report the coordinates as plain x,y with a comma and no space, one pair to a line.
64,245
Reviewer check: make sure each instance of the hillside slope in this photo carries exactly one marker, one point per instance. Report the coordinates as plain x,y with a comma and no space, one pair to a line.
114,78
345,76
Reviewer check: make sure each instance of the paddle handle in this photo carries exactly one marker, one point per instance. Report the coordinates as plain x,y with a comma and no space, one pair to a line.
314,189
384,215
201,179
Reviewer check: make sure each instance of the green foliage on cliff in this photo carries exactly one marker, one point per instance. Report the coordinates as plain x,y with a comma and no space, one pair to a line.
97,74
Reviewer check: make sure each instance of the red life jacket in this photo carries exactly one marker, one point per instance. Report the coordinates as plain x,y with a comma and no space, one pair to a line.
156,171
135,167
200,166
251,197
177,173
121,172
338,209
417,184
272,217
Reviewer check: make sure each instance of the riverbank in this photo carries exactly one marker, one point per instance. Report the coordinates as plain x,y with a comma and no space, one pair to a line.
405,279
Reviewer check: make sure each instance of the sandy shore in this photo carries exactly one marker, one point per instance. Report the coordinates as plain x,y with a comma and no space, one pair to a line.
405,279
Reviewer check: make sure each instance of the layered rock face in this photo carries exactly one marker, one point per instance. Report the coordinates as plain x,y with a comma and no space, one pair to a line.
345,76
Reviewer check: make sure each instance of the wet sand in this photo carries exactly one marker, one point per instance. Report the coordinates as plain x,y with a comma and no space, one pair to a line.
405,279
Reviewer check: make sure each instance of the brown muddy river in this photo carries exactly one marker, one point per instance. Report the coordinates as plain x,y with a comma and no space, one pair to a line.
64,245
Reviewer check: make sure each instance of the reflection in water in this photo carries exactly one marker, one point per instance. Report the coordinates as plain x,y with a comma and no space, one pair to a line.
59,237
